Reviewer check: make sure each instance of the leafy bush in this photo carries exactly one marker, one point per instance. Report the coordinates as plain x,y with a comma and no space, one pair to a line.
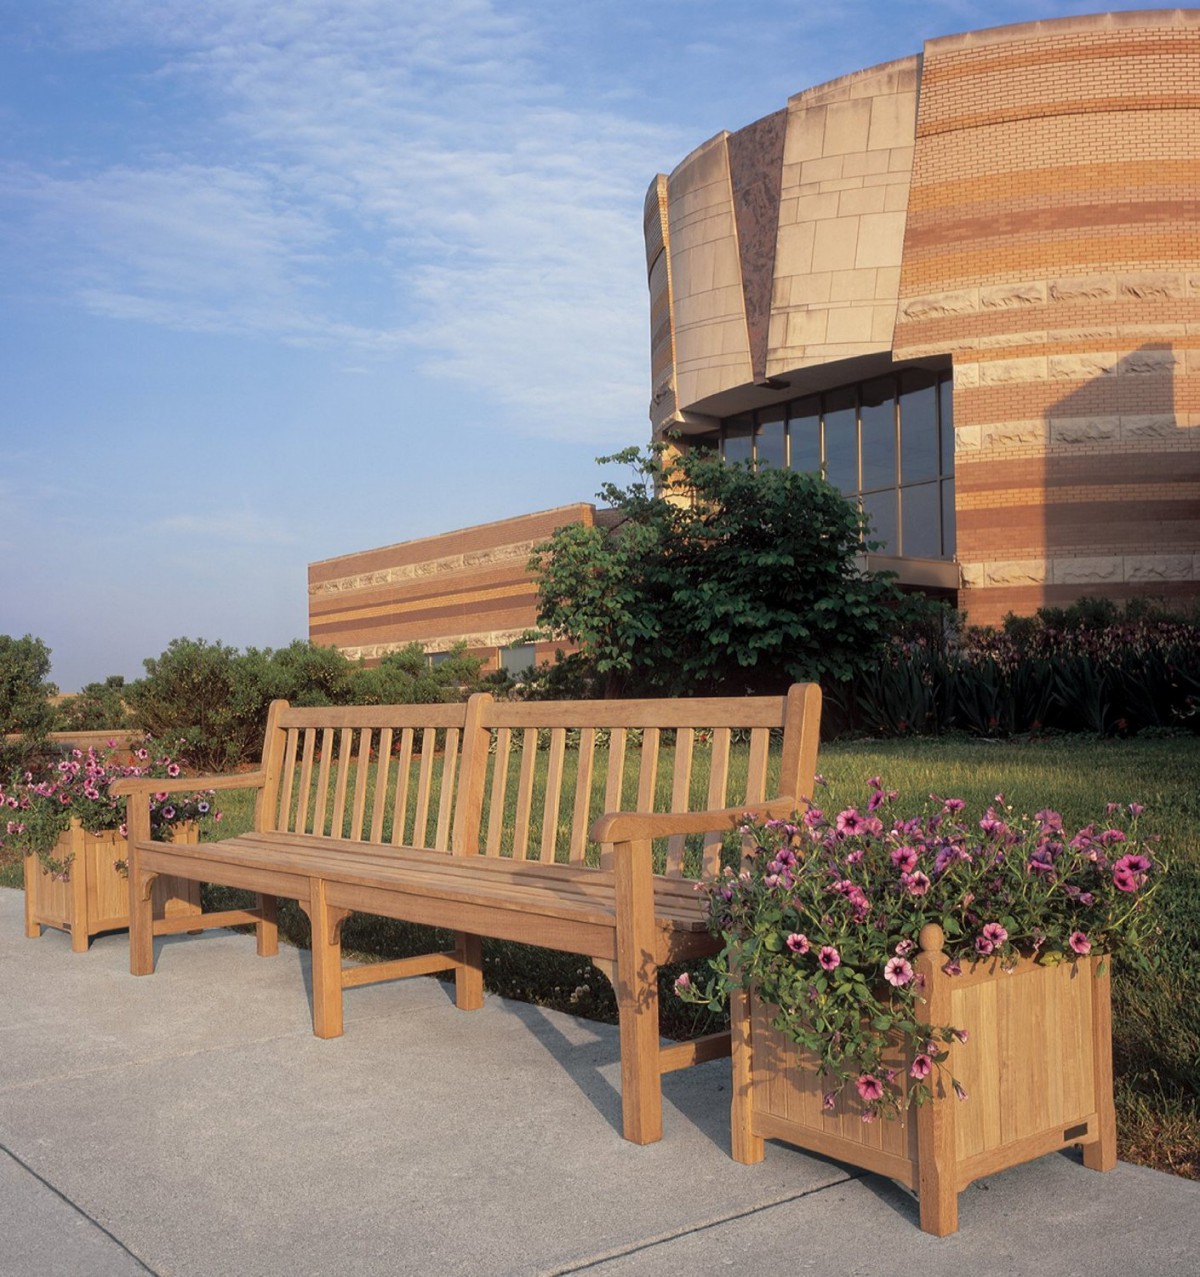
25,692
714,577
100,707
1088,668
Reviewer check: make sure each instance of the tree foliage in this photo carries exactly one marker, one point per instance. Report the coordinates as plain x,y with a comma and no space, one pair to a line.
99,707
715,577
208,702
25,692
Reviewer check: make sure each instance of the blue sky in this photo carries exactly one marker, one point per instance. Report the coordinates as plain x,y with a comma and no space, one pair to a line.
285,279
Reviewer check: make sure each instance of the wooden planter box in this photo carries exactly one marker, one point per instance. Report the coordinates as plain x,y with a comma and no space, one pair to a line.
94,895
1036,1067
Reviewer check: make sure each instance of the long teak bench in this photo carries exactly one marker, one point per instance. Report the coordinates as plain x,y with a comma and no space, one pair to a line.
475,818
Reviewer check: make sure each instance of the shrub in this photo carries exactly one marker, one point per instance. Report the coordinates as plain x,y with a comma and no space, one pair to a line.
25,692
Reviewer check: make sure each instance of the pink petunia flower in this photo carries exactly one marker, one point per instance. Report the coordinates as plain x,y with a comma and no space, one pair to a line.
898,972
869,1087
905,859
683,982
922,1067
1129,873
1080,943
994,932
829,958
798,943
916,884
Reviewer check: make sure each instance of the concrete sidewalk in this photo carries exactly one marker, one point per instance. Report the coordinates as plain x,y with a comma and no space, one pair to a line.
189,1123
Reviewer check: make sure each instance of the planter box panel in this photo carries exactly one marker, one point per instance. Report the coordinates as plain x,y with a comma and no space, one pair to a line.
791,1093
1027,1065
94,896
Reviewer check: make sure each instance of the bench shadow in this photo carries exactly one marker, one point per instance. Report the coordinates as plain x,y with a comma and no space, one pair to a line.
704,1104
705,1107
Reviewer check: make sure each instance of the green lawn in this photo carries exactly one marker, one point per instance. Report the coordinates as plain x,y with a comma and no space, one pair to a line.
1156,1019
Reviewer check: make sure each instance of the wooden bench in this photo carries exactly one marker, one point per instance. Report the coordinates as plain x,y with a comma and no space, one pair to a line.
475,818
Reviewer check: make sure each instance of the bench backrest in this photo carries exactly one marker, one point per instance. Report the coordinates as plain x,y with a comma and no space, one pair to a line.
528,779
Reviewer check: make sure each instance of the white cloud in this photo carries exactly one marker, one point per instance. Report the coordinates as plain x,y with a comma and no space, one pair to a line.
377,176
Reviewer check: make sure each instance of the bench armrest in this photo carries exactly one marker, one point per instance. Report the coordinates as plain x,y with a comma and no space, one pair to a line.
130,785
630,826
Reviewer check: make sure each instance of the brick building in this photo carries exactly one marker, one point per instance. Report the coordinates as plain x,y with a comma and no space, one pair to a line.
469,586
965,286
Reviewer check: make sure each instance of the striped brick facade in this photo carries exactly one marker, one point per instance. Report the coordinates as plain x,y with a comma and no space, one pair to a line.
1022,204
469,586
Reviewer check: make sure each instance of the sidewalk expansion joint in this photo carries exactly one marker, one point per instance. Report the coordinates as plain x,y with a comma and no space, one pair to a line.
664,1239
74,1206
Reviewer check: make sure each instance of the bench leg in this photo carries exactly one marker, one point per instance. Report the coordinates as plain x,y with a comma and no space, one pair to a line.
267,928
468,975
326,961
637,995
141,920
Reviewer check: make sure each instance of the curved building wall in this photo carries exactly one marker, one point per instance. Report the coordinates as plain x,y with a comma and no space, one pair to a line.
1022,204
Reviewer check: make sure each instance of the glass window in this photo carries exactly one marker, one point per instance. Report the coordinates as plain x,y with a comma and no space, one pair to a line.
517,659
436,658
888,442
770,444
948,529
841,440
920,532
804,435
946,413
878,414
880,509
918,427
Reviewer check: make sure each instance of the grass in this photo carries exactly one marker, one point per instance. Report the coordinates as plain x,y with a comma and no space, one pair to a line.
1156,1020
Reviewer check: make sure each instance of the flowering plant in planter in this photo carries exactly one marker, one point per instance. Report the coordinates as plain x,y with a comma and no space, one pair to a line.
824,918
41,807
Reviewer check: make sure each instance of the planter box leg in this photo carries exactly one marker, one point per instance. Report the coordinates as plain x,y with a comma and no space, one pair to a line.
32,929
748,1148
1102,1154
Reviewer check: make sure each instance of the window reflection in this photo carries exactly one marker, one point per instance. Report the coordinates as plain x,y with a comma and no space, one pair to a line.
804,435
841,440
878,417
770,445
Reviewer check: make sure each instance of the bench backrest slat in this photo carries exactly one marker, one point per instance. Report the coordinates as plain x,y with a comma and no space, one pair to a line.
499,788
383,768
584,769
